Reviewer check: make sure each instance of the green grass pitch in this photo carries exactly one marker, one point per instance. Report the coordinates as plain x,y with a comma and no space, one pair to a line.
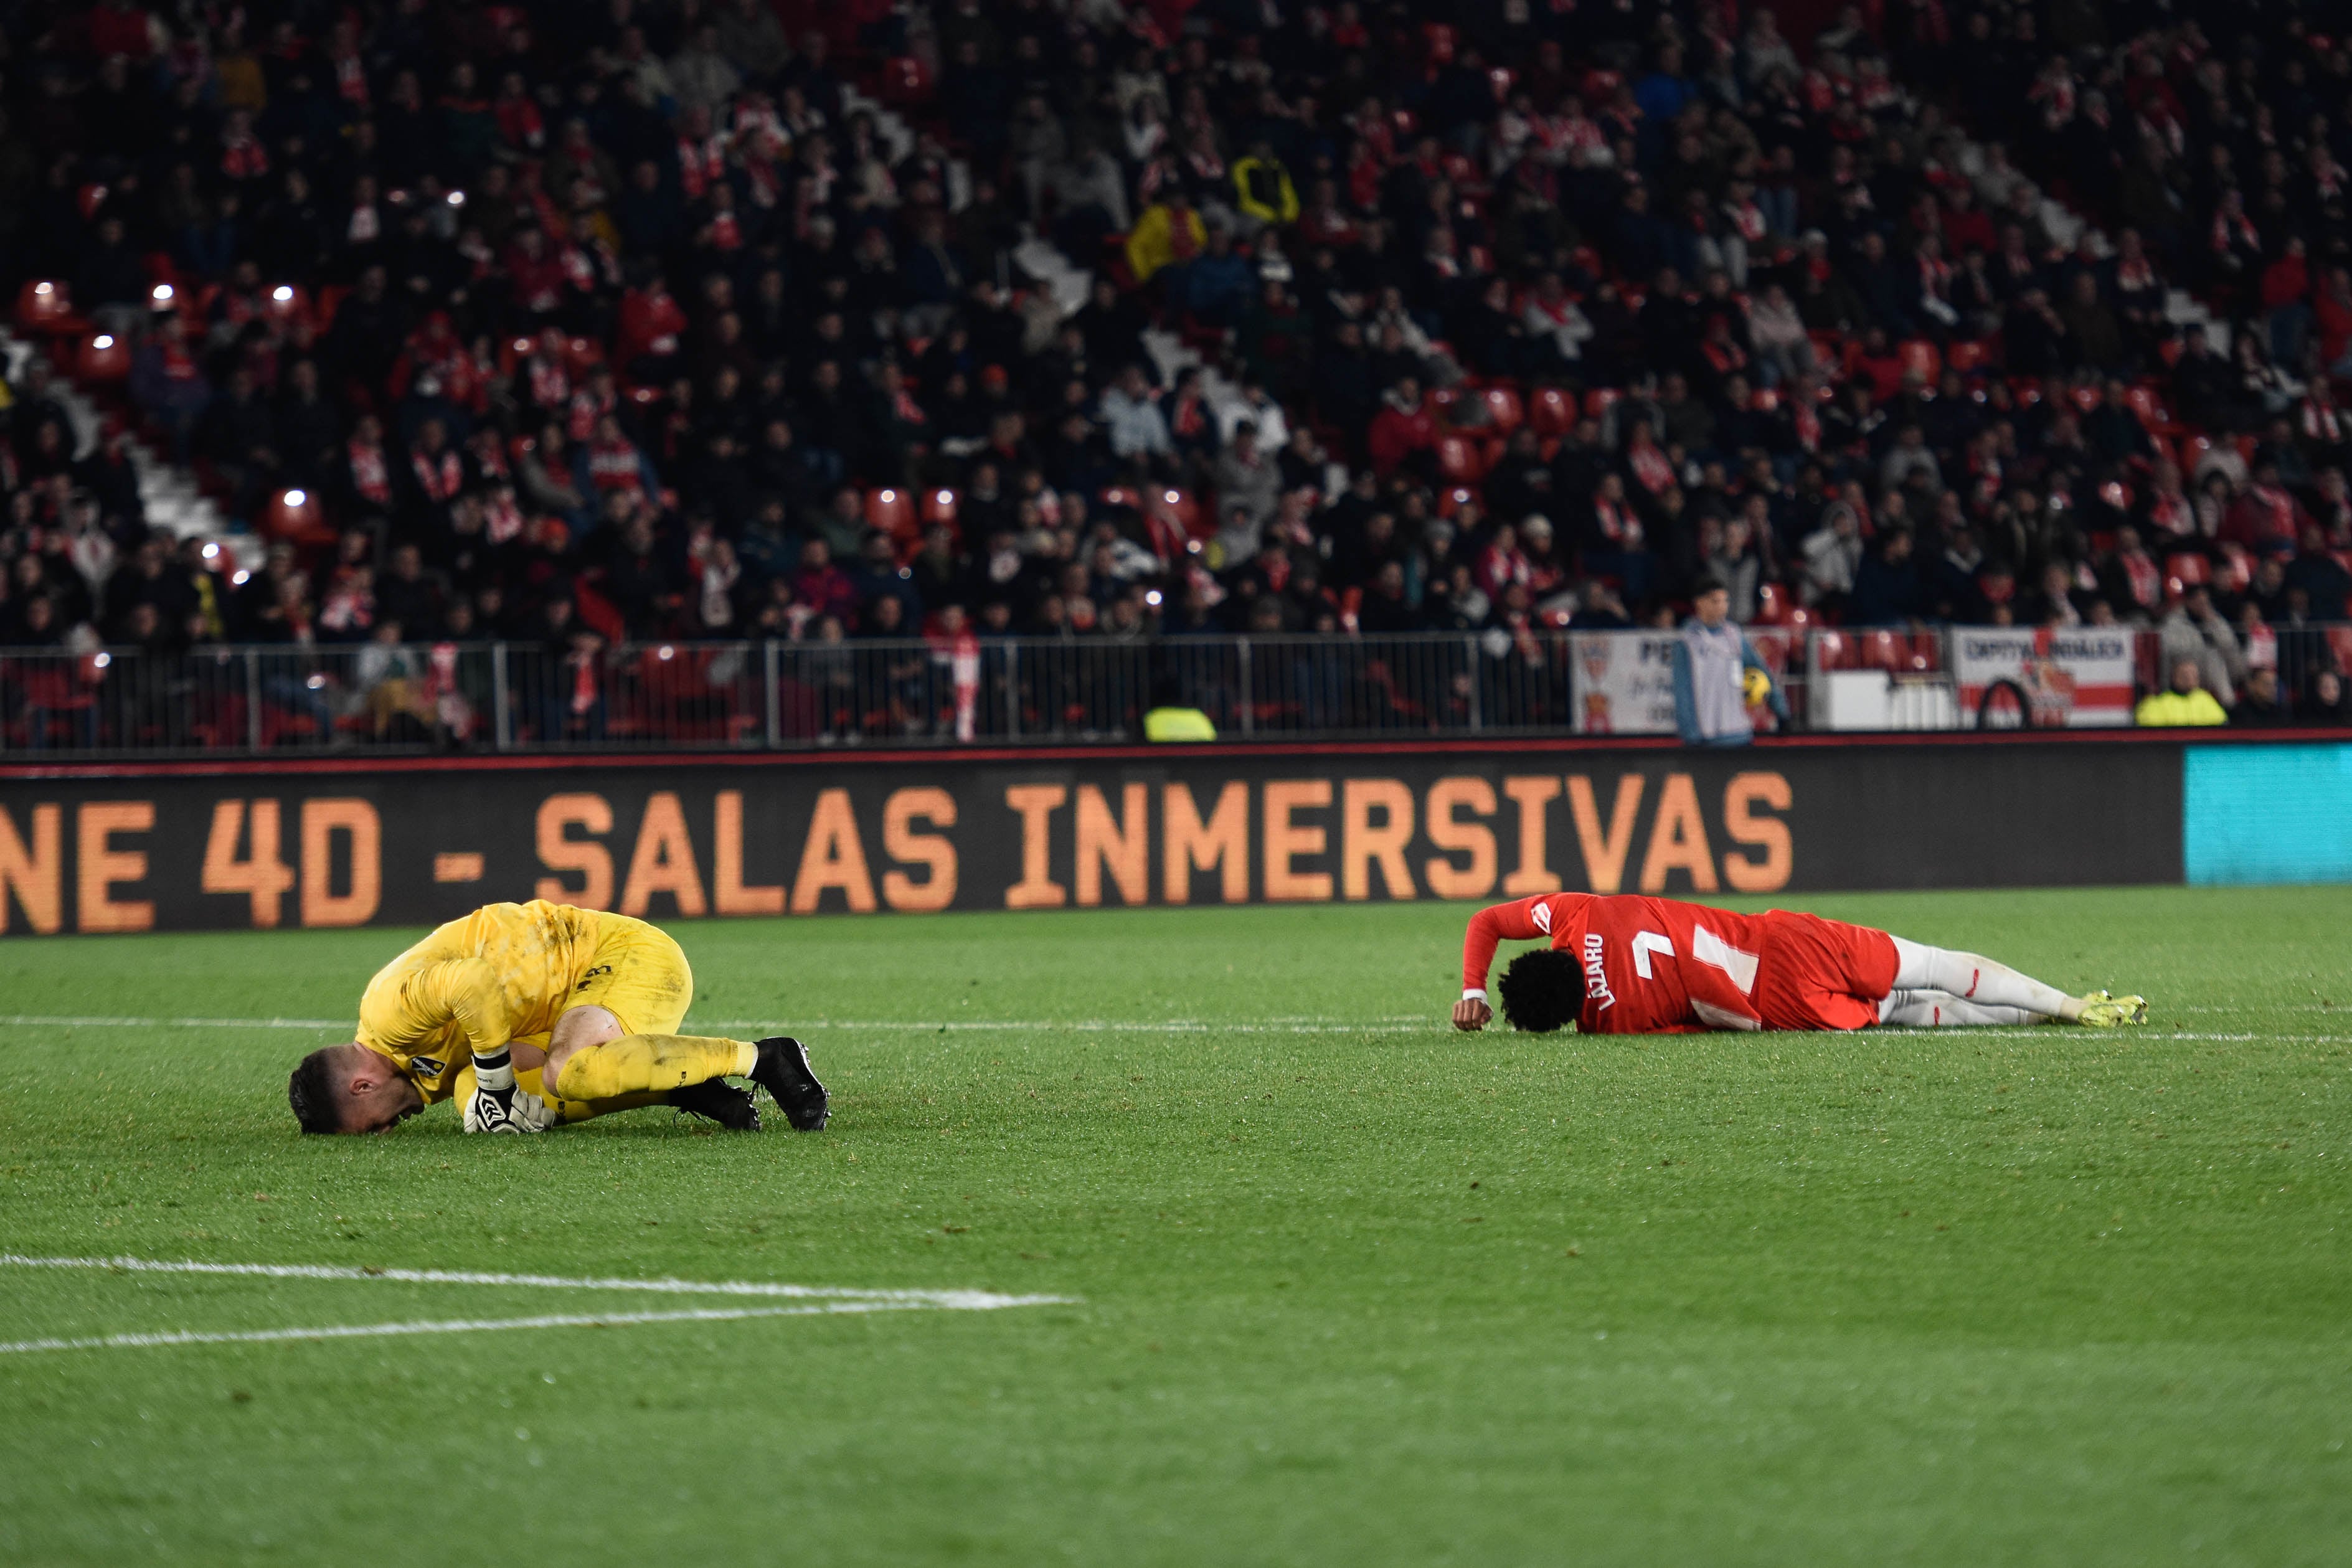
1349,1288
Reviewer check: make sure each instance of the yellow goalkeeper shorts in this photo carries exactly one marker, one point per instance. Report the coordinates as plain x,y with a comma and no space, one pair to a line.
638,975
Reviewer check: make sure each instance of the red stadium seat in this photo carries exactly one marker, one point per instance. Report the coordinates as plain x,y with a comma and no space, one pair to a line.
103,356
1554,411
1919,358
1454,498
297,517
2188,569
905,81
1600,400
46,305
892,510
939,506
286,302
1504,410
1184,507
2234,573
1966,355
1461,461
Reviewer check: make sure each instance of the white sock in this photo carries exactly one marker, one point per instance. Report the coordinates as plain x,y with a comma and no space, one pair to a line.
1969,978
1942,1010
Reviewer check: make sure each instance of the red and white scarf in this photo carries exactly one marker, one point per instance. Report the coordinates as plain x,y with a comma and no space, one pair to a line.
613,466
370,476
700,164
2172,516
439,478
1651,469
587,408
1620,524
2322,422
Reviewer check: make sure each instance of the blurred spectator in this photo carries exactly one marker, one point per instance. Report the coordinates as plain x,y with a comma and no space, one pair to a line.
2262,705
2183,701
1711,664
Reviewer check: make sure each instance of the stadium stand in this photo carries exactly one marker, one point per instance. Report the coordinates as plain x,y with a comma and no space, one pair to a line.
888,333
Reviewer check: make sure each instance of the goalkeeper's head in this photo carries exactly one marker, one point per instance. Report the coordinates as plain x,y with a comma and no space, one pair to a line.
350,1089
1541,990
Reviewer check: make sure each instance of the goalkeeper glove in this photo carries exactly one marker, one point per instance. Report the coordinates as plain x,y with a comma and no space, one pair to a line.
497,1105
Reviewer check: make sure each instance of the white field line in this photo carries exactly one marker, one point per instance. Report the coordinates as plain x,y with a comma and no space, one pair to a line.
456,1326
2149,1033
957,1300
1387,1024
1091,1026
69,1021
815,1300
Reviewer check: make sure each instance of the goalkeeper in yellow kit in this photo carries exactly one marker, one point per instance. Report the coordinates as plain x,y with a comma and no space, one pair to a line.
531,1016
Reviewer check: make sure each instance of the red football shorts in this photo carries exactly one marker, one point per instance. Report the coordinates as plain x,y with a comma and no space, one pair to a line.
1821,974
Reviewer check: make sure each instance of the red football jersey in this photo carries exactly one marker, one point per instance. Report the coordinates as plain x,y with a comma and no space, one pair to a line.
1655,967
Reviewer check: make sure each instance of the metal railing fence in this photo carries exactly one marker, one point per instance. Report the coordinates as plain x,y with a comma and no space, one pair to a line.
750,695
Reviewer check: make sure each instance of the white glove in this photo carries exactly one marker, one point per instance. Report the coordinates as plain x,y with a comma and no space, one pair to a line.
497,1105
516,1110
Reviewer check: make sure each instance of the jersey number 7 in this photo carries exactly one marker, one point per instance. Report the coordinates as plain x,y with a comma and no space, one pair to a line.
1644,945
1706,948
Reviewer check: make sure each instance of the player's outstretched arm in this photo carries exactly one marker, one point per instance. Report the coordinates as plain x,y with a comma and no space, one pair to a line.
1515,921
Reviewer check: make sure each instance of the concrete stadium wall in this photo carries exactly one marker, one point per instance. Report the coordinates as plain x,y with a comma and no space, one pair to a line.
355,842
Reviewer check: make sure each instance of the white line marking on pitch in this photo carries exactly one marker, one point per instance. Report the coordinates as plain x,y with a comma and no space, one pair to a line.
455,1326
1391,1025
826,1299
37,1020
961,1300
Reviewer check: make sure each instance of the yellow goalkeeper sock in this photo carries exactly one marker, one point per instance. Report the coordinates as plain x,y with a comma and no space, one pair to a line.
639,1064
573,1111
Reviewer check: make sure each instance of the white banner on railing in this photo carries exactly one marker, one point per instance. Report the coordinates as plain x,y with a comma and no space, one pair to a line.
2043,679
1624,682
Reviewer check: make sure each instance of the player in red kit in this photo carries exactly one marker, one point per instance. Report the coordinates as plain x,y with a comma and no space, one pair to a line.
1628,965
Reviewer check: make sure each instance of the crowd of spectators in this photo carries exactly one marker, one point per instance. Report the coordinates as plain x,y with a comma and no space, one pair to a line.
575,323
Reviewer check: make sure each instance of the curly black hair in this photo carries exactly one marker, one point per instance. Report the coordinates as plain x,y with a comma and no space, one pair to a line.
1542,989
314,1094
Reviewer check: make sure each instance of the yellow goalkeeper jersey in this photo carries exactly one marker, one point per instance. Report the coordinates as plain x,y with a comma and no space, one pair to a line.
503,972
